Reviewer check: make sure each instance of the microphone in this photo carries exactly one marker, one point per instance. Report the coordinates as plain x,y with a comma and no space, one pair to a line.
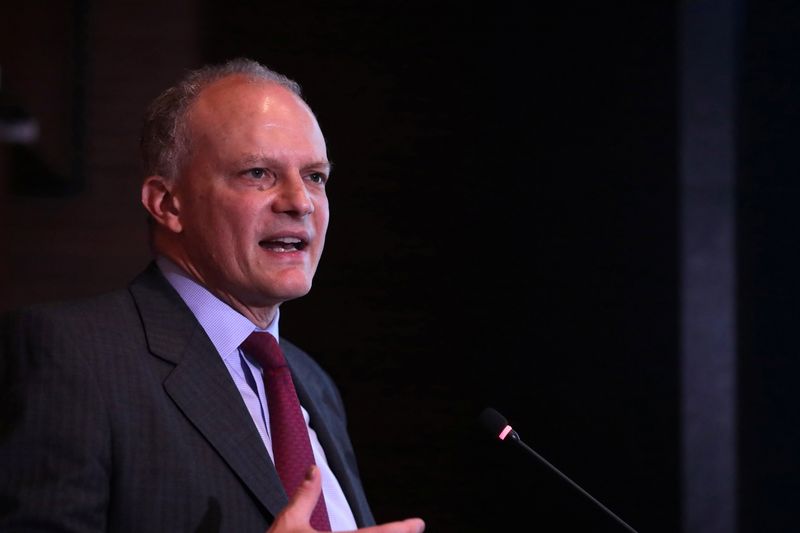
499,427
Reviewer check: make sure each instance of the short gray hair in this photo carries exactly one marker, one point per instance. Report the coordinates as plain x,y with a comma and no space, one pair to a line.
165,141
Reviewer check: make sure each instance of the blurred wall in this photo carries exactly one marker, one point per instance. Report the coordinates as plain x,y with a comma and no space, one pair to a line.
71,222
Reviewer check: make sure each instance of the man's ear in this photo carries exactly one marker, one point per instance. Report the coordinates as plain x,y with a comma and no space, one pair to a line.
159,201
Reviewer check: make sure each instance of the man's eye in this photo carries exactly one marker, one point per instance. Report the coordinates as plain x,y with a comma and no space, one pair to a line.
318,177
257,173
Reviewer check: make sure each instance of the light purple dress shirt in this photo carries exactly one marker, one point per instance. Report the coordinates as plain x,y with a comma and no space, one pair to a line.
227,329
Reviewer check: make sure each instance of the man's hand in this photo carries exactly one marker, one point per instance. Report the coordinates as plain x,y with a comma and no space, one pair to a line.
295,518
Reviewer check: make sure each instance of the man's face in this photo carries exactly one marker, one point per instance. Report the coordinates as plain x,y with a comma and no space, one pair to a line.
251,194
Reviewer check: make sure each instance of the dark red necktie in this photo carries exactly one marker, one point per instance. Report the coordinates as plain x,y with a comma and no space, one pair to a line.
291,447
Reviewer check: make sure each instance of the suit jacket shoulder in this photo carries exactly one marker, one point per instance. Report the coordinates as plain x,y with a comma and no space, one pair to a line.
118,414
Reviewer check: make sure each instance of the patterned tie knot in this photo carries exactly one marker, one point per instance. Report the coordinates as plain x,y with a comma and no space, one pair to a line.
265,349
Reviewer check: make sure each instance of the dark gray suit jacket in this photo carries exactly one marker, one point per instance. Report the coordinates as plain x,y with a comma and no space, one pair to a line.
117,414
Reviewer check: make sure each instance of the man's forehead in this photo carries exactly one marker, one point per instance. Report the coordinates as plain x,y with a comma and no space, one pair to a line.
235,100
239,89
256,123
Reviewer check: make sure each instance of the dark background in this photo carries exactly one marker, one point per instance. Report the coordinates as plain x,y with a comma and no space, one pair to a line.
504,232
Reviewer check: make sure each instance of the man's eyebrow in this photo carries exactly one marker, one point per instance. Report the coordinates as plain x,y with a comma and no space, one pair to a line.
322,165
260,159
256,159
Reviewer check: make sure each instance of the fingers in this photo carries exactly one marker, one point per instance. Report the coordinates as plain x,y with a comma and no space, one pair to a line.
296,516
410,525
305,498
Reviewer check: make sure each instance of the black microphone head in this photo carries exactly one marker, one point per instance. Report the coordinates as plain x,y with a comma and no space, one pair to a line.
495,423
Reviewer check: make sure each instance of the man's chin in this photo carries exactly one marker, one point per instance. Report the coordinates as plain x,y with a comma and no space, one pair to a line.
285,293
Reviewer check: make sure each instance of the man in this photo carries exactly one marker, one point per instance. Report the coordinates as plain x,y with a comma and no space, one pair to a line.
143,409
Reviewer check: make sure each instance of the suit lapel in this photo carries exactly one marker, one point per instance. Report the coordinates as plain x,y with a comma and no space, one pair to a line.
201,387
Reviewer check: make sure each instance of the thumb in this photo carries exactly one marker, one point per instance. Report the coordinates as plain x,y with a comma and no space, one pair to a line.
296,516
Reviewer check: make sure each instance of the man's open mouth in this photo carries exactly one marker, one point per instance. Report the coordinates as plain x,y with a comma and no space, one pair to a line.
284,244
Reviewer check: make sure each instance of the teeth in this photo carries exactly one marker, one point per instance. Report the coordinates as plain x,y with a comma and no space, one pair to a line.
284,244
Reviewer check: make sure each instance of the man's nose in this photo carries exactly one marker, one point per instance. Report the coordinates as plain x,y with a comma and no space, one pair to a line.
293,196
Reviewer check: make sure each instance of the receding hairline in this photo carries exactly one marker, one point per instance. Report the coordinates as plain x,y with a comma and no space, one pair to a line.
164,135
231,82
243,79
214,107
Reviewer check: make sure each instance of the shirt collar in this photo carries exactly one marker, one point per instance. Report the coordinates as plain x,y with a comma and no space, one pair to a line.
226,327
